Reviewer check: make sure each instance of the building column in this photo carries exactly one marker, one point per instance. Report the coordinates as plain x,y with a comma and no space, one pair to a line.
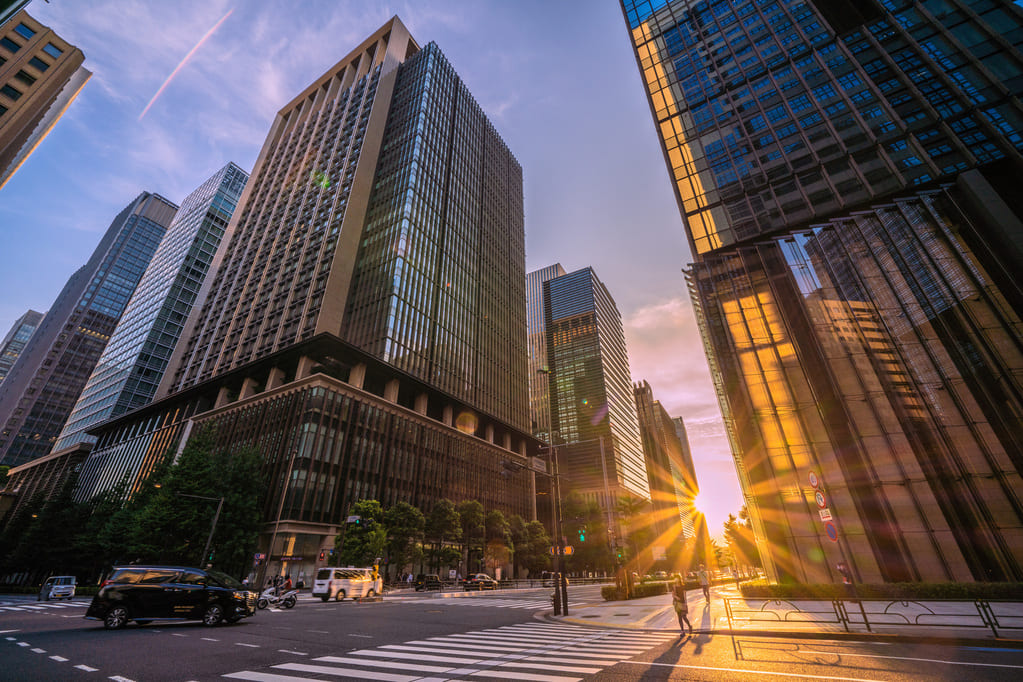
305,367
506,444
357,377
422,401
488,433
391,391
223,397
449,416
248,388
275,378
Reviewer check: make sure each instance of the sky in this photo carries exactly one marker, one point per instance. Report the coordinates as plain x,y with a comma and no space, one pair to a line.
556,77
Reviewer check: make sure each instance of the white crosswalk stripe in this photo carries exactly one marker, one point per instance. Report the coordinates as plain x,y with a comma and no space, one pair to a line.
533,652
497,602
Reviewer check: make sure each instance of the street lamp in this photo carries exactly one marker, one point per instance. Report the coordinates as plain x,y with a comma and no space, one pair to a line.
561,587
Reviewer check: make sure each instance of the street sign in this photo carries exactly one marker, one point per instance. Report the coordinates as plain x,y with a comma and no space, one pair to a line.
567,550
832,532
258,556
814,481
825,514
821,502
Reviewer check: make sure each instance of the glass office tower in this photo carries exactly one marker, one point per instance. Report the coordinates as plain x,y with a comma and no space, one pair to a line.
536,338
133,362
591,391
45,382
847,174
12,345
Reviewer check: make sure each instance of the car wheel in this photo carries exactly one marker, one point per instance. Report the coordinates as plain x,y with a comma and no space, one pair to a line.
214,614
371,593
340,596
325,597
116,618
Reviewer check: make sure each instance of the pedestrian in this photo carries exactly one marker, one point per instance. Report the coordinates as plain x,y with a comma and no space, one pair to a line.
704,582
678,600
287,583
408,579
735,576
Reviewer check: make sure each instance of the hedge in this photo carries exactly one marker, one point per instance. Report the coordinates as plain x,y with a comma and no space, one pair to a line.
760,589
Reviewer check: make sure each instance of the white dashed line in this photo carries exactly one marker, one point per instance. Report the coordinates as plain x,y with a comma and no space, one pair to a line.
118,678
178,634
59,659
209,639
24,644
86,668
297,653
37,650
254,646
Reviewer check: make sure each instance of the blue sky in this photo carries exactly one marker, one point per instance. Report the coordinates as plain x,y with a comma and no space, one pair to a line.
557,78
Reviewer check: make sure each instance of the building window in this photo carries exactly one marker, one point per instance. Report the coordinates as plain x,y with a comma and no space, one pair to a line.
53,50
9,44
3,110
25,78
38,63
24,31
11,93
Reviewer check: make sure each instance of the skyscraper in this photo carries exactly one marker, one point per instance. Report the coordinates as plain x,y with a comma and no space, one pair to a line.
133,362
365,328
672,483
44,383
40,75
847,175
16,339
593,412
536,338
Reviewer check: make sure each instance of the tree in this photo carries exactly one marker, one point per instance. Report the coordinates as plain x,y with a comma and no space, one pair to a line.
405,525
499,541
365,540
473,522
534,553
442,526
517,531
739,536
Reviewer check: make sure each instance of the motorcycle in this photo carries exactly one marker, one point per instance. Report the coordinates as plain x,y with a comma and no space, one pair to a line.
272,597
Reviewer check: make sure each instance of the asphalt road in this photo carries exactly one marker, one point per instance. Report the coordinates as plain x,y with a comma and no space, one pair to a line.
483,636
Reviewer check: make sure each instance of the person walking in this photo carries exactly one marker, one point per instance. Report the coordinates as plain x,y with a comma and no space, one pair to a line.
678,600
704,582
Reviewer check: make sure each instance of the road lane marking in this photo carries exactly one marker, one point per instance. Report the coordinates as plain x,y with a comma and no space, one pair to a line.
509,675
411,667
24,644
39,651
254,646
265,677
209,639
118,678
297,653
178,634
59,659
86,668
917,660
2,632
319,632
360,674
755,672
352,634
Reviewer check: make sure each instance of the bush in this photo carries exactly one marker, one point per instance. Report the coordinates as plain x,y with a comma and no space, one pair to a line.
639,590
760,589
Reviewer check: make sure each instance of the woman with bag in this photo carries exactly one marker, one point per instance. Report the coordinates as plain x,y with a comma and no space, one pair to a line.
678,600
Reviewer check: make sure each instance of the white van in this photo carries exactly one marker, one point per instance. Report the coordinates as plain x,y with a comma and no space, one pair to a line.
338,583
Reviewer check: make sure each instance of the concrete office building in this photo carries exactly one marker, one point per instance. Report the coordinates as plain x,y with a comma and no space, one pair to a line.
594,427
848,173
672,483
46,380
133,362
40,75
365,327
12,345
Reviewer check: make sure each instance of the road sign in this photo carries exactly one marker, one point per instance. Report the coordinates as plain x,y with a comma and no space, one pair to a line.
825,514
814,481
821,502
832,532
258,556
567,550
538,464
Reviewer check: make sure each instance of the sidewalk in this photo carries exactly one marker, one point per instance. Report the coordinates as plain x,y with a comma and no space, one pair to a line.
930,622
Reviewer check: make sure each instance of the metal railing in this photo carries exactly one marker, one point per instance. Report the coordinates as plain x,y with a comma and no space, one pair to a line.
877,614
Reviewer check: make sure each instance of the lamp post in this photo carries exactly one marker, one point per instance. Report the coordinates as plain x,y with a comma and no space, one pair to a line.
213,527
560,587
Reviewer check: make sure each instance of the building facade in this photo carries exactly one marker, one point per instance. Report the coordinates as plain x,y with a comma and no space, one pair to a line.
16,340
536,335
594,421
133,362
846,173
49,375
40,75
365,327
673,484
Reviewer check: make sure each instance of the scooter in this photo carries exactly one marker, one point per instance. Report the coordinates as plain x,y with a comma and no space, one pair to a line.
271,597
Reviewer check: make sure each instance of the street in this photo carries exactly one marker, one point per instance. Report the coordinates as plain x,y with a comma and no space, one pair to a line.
410,636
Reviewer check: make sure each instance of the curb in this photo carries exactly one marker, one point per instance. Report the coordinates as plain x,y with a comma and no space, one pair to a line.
998,643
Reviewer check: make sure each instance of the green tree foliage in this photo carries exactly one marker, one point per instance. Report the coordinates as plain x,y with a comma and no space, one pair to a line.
534,551
739,536
365,540
517,532
405,525
3,475
473,522
443,526
594,553
42,537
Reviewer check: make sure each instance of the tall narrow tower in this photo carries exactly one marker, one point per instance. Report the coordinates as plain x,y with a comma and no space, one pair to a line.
848,172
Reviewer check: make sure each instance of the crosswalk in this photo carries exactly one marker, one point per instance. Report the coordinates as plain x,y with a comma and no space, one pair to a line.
43,605
497,602
536,652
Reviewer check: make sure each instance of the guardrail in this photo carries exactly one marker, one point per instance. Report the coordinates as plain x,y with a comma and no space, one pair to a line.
878,614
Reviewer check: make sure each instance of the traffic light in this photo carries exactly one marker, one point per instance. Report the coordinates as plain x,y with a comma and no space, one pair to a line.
582,535
323,555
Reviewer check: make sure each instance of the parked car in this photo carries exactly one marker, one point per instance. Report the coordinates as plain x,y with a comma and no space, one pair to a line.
428,582
479,581
57,587
547,579
338,583
147,593
661,575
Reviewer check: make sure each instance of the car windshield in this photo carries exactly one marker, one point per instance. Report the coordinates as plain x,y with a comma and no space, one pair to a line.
224,580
